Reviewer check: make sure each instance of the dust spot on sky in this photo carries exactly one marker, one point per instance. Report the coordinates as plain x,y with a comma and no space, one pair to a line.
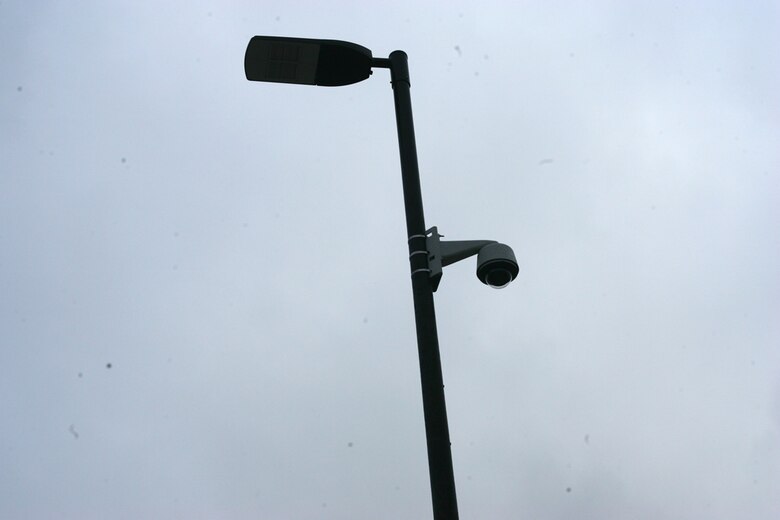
568,490
587,438
277,18
546,161
72,430
350,444
124,160
19,88
81,375
365,320
457,49
108,365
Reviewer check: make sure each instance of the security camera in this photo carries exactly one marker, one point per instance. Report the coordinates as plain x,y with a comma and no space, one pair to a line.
496,265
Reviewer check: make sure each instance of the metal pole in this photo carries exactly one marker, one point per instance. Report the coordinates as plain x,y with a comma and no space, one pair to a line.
445,506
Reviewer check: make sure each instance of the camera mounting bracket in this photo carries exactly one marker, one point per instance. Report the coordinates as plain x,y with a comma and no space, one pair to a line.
445,252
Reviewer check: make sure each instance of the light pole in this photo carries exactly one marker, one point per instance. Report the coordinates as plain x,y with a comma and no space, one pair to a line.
336,63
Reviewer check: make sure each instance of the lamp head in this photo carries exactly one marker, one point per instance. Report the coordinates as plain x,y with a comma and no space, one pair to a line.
304,61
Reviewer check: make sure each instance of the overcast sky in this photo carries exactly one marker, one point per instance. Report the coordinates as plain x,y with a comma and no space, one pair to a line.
205,304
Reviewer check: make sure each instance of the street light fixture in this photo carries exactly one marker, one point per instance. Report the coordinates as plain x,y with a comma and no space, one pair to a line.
332,63
327,63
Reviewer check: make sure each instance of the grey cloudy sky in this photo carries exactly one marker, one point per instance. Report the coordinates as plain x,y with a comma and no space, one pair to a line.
205,306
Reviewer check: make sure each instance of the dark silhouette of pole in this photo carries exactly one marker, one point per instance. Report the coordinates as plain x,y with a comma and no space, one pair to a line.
445,506
306,61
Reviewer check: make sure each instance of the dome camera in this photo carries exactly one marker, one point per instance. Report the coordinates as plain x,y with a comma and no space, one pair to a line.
496,265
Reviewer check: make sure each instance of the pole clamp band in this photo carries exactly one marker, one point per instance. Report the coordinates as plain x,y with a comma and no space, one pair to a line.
418,253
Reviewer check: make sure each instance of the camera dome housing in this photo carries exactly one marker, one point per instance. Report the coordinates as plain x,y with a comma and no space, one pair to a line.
497,265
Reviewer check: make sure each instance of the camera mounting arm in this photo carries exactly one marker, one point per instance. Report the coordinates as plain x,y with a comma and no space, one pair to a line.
446,252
